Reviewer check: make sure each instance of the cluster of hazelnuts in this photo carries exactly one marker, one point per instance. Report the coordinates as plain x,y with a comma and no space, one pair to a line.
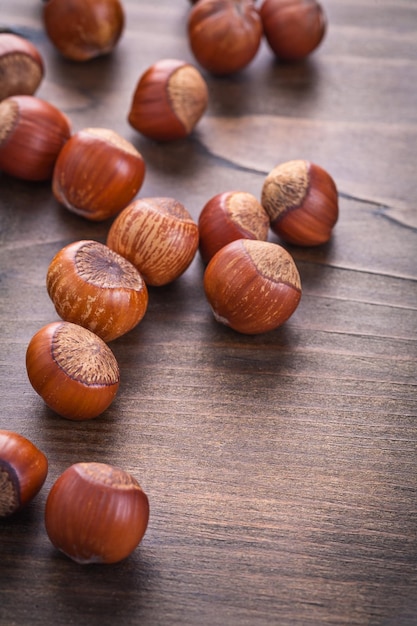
225,35
100,291
94,513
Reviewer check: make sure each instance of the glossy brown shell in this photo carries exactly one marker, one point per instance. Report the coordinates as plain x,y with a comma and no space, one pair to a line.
96,513
224,35
252,286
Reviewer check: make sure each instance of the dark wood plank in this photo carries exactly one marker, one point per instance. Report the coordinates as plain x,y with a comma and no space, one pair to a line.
281,468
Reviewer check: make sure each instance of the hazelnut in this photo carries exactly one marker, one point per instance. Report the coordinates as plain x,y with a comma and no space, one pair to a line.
83,29
97,173
73,370
97,288
158,236
169,99
224,35
96,513
32,134
301,200
228,216
252,286
23,470
293,28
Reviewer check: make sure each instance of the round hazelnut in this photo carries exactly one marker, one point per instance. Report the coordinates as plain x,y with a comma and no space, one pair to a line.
228,216
96,513
301,200
97,288
293,28
224,35
158,236
83,29
252,286
32,134
97,173
73,370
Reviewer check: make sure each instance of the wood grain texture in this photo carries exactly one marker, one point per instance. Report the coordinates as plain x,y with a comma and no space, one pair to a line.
281,469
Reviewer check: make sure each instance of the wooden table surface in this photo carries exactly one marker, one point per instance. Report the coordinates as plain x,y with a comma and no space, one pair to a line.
281,469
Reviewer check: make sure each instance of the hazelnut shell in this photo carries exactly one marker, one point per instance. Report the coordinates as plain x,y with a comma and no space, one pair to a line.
301,200
97,288
252,286
96,513
73,370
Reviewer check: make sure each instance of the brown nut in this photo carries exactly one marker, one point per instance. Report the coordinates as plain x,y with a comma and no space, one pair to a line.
169,99
158,236
23,470
32,134
73,370
224,35
83,29
252,286
301,200
97,288
96,513
228,216
97,173
293,28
